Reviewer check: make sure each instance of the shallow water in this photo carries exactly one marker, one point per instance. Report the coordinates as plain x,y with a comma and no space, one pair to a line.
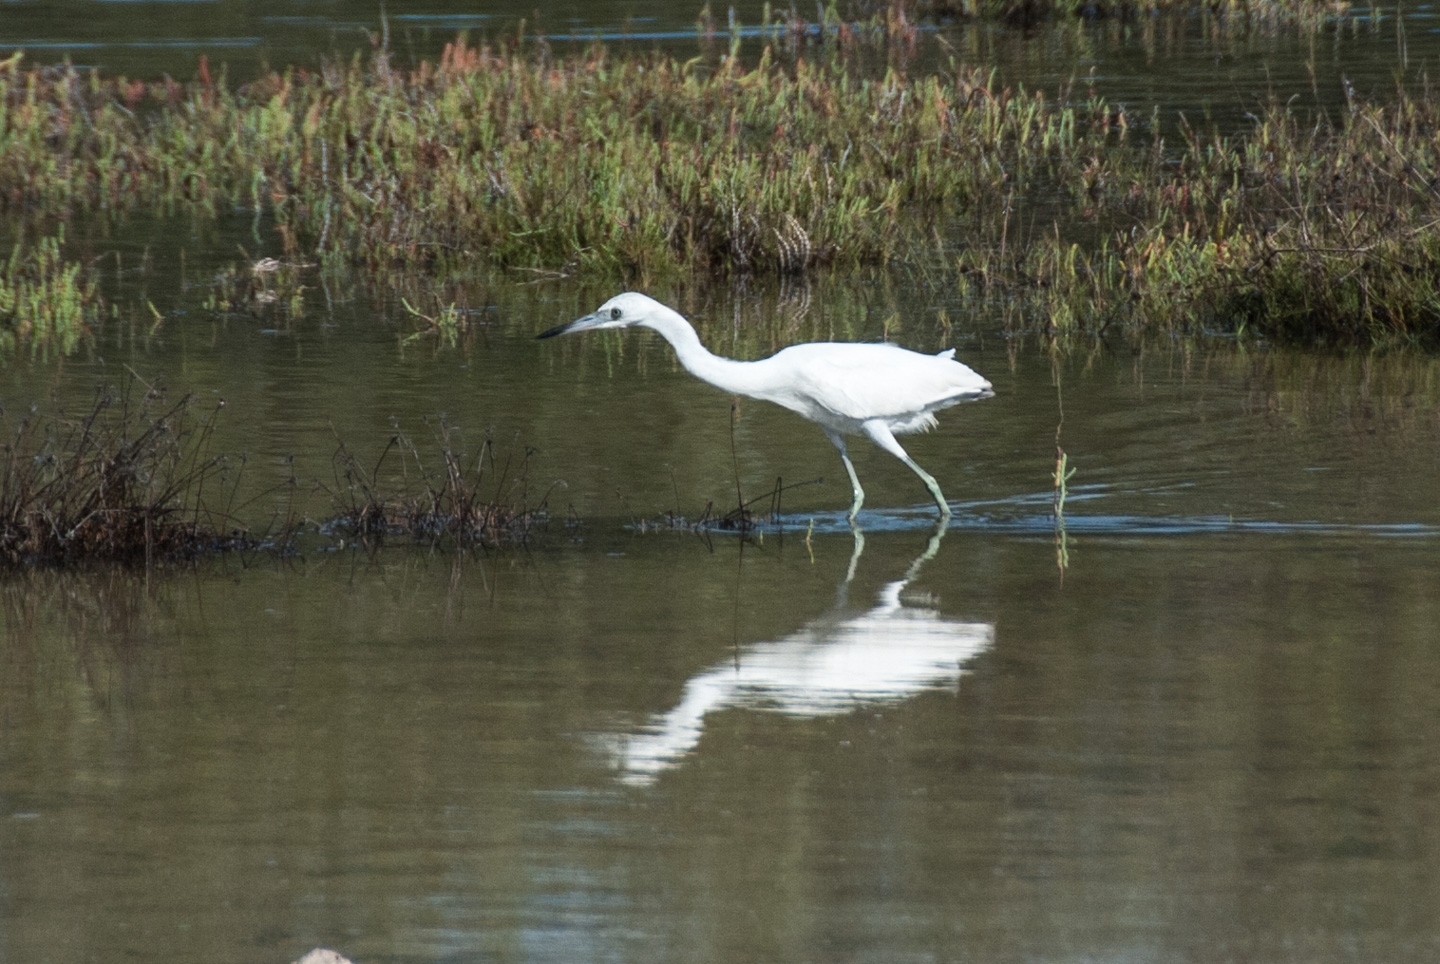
1193,723
1193,748
1190,717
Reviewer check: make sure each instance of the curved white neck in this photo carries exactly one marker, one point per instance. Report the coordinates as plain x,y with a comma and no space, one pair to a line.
736,377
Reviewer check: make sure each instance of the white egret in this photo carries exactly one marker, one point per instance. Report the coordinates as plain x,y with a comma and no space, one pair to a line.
846,388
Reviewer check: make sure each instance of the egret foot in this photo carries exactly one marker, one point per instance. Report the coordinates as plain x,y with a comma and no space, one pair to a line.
934,488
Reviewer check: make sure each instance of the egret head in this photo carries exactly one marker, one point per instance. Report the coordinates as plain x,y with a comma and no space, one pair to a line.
621,311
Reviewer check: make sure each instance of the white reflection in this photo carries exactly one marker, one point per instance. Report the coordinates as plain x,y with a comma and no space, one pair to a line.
833,665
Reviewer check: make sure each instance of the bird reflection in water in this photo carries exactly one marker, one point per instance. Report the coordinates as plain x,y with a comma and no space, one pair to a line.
835,664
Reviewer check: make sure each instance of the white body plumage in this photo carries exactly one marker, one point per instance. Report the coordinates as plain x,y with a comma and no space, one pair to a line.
847,388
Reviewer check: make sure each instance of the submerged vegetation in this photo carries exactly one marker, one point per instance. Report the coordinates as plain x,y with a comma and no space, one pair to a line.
831,150
117,484
139,484
456,501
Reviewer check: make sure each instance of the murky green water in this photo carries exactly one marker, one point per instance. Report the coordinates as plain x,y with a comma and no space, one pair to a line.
1195,723
1208,737
1213,747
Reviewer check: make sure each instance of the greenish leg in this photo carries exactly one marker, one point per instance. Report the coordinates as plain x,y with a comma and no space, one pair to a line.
880,434
932,485
839,442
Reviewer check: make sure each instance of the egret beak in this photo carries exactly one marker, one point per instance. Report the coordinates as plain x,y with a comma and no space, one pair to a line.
588,323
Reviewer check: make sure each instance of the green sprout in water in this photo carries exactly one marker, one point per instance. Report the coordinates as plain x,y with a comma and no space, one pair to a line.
43,298
1063,474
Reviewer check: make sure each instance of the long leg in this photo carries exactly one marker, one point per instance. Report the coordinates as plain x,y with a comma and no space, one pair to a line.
838,441
880,434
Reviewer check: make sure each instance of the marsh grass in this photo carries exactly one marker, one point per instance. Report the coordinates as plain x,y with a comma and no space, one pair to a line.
438,497
634,166
126,483
139,483
1311,14
830,151
45,300
1316,230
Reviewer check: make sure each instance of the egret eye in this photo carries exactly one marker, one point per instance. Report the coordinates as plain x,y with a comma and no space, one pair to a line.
614,314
